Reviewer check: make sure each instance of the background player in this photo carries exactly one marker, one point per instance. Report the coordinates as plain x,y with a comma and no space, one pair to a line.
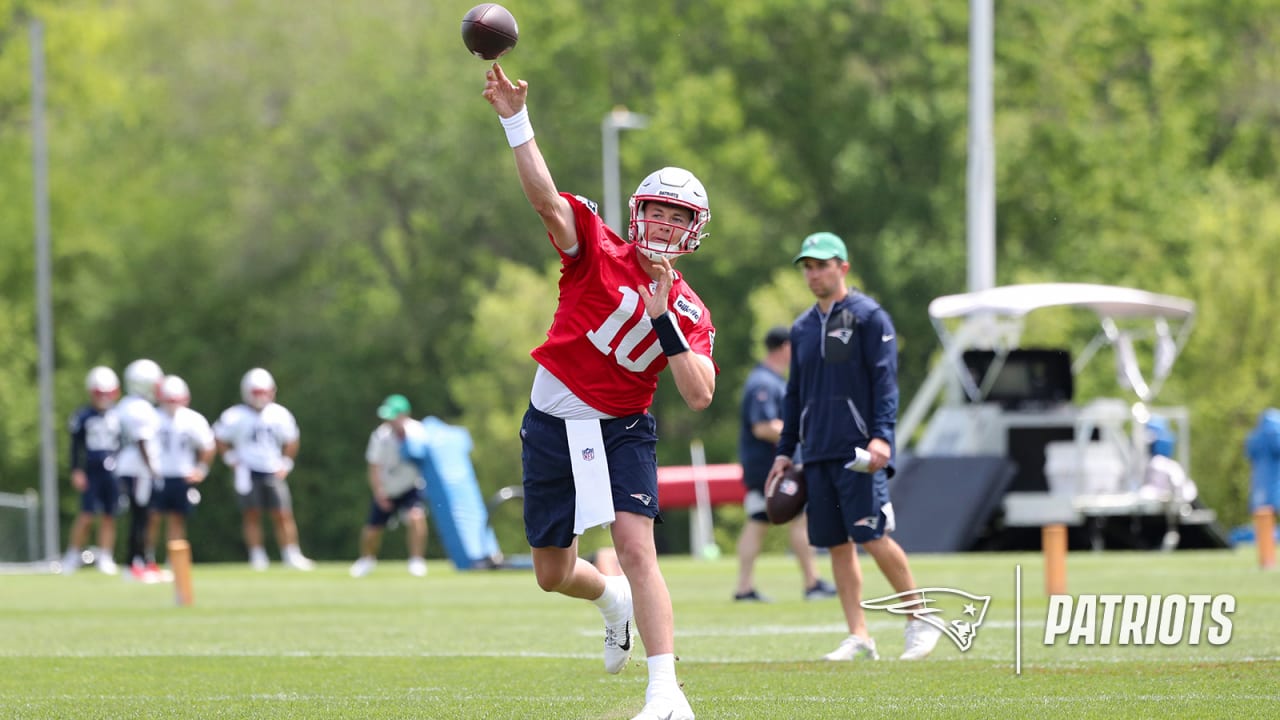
184,448
396,484
259,440
135,462
624,314
761,425
95,438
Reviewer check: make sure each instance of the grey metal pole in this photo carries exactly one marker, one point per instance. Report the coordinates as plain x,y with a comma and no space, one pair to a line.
980,220
44,303
617,119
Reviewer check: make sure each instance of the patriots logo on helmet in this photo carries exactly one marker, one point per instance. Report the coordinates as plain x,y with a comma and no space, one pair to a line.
934,606
588,454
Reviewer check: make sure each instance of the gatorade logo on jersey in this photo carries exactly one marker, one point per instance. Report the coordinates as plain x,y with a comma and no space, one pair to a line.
688,309
1139,619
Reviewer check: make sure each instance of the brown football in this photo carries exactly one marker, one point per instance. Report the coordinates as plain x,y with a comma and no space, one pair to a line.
489,31
788,499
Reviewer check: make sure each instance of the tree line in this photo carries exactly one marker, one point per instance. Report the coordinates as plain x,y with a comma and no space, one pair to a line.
319,189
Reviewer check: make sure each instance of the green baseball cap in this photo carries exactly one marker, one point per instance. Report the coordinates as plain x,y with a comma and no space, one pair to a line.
822,246
393,407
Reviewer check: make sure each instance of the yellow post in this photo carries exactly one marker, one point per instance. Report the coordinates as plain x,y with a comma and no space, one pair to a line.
1264,533
180,559
1053,543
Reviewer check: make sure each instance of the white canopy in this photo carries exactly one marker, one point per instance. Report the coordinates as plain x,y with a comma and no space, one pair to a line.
1105,300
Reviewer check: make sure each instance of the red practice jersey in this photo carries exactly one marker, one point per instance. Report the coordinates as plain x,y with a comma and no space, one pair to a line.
601,344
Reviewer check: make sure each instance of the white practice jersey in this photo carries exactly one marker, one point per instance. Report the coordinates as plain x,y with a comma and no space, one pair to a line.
399,475
180,440
258,437
139,421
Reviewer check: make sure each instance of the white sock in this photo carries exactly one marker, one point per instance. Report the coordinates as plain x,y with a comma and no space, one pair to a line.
292,551
662,676
256,553
610,601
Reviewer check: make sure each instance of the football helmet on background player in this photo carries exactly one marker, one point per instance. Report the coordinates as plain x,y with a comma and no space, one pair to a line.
142,377
102,380
174,391
257,388
669,186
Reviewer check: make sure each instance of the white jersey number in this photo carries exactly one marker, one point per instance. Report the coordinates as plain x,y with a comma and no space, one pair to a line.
603,337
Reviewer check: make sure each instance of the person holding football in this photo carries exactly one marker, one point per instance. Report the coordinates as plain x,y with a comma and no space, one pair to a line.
842,397
589,443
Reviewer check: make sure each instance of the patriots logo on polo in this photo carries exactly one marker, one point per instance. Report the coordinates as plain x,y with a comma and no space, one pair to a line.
841,334
956,613
588,454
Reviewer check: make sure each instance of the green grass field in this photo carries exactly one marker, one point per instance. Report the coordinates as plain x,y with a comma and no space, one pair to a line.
283,644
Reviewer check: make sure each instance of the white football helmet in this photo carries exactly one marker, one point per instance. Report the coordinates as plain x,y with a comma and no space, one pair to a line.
142,377
174,391
257,388
102,380
670,186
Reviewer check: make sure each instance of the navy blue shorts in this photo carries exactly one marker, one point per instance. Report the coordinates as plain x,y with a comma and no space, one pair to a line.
845,505
631,449
102,495
402,503
171,496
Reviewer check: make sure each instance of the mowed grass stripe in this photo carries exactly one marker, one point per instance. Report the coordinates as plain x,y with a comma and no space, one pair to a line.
283,644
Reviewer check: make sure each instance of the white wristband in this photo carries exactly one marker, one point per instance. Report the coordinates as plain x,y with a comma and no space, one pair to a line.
519,130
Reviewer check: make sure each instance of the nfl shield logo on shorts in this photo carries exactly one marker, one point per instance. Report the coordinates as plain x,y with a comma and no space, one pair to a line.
588,454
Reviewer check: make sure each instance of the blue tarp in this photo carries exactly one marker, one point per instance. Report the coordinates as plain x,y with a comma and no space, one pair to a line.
458,510
1263,450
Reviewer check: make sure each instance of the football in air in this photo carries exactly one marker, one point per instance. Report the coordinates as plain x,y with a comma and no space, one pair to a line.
489,31
788,499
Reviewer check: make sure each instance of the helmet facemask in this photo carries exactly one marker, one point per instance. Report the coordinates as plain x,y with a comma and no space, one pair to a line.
677,188
258,388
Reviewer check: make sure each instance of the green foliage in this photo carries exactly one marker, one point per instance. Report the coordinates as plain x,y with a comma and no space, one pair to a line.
319,189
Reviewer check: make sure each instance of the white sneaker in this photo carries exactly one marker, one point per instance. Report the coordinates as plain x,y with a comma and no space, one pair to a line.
258,559
617,636
107,566
363,566
853,648
70,562
666,707
417,567
298,561
921,639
